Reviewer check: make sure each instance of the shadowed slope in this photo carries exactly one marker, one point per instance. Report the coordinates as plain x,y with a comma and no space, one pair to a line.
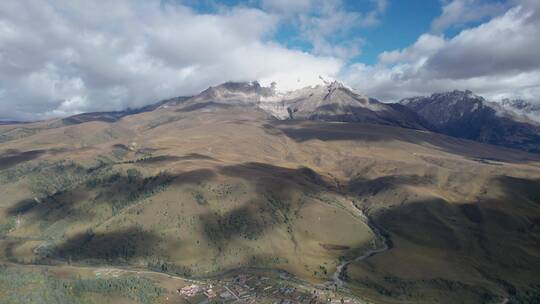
214,189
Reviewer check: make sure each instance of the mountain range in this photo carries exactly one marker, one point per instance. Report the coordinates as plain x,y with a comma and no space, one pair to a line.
331,101
461,114
431,200
524,107
466,115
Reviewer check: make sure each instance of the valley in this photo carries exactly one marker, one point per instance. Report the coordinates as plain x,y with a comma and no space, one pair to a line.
270,152
193,192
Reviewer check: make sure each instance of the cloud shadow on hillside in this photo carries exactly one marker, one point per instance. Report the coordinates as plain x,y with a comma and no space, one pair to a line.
302,131
274,205
163,159
117,191
248,222
277,179
493,238
116,246
51,209
361,186
14,157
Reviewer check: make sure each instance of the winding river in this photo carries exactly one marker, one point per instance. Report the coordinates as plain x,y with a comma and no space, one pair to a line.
341,269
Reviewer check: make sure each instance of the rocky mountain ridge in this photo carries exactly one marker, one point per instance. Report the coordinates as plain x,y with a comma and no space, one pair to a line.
466,115
330,101
461,114
208,185
523,107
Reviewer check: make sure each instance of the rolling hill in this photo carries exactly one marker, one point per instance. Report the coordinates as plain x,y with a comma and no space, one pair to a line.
348,193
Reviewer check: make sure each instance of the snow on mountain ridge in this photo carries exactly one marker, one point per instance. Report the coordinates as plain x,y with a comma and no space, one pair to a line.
329,100
279,103
523,107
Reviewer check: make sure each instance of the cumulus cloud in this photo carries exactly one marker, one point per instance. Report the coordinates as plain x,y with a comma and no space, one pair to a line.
287,6
60,59
328,26
80,56
498,58
458,13
504,45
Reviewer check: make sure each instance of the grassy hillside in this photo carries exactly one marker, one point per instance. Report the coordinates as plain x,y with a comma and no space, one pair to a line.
197,192
21,285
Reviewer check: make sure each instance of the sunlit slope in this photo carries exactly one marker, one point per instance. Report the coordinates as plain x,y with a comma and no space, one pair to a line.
191,197
200,190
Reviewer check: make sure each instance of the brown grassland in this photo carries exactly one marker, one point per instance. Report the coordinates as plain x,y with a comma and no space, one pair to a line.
197,192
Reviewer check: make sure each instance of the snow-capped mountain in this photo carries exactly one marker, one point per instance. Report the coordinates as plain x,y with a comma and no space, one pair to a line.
523,107
466,115
330,101
460,114
441,109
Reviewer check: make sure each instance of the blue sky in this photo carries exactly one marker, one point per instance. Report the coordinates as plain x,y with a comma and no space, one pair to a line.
109,55
398,26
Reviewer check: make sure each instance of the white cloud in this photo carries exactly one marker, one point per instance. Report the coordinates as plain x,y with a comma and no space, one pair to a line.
458,13
329,26
288,6
80,56
381,5
425,46
61,59
498,58
504,45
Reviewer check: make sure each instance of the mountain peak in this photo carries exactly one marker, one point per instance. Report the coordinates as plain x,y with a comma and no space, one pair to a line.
445,107
231,87
335,85
457,100
520,104
331,100
232,92
523,107
458,94
466,115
